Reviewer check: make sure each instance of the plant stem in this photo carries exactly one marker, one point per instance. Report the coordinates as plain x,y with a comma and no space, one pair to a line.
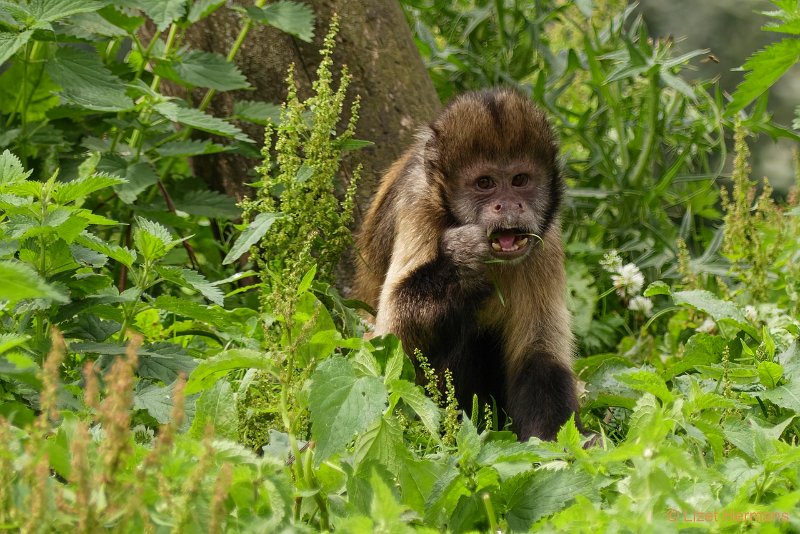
645,156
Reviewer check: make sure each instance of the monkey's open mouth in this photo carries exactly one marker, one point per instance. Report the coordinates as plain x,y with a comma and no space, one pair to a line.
509,242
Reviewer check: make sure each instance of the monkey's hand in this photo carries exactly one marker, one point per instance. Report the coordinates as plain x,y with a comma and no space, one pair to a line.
468,248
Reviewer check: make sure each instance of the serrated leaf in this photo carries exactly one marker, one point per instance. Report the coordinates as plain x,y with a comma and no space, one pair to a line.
211,370
207,203
51,10
18,281
162,12
342,405
11,171
71,191
216,407
208,69
657,288
159,361
158,403
251,235
291,17
138,177
535,495
709,303
646,381
382,442
257,112
193,310
766,67
423,406
201,121
116,252
152,239
200,9
193,280
188,147
11,42
769,374
86,82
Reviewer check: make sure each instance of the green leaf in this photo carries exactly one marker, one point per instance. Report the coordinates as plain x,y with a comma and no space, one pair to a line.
700,349
193,280
257,112
423,406
216,407
71,191
208,372
207,69
200,9
382,442
342,405
188,147
11,171
162,12
766,67
207,203
152,239
291,17
531,496
709,303
201,121
11,42
646,381
158,403
45,11
769,374
657,288
251,235
138,177
86,82
18,282
116,252
159,361
180,306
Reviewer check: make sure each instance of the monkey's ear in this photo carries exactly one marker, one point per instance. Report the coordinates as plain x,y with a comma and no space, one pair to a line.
431,152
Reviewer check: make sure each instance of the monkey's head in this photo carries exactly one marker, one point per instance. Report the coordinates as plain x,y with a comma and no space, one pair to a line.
492,155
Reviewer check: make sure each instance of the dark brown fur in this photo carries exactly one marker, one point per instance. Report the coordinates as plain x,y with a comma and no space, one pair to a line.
425,249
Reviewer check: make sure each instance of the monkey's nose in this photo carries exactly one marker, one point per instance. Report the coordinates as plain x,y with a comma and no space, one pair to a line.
498,207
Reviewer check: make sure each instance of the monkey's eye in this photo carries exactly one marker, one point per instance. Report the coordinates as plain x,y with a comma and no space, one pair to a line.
484,182
519,180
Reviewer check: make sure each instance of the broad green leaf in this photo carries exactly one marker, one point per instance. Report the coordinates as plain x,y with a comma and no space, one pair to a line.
207,69
257,112
11,42
158,403
700,349
86,82
251,235
534,495
766,67
194,280
18,282
162,12
342,405
116,252
71,191
208,372
647,381
200,120
11,340
188,147
423,406
382,442
152,239
208,314
468,441
657,288
292,17
200,9
216,407
709,303
207,203
52,10
11,171
138,177
160,361
769,374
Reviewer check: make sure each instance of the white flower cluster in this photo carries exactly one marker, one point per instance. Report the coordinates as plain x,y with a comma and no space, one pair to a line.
628,281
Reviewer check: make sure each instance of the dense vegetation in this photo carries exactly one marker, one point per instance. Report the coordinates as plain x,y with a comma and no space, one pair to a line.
150,382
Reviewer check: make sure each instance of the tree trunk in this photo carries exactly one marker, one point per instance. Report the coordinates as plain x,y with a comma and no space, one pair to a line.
375,43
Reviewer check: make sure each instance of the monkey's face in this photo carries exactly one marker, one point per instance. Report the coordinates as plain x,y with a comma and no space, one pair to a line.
507,200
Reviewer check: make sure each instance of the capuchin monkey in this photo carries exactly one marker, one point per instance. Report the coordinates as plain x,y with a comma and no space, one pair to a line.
461,255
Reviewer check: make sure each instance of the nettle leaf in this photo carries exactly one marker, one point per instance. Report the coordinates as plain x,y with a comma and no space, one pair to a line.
18,281
216,407
207,203
180,306
251,235
646,381
709,303
71,191
52,10
86,82
425,408
158,403
189,147
200,9
208,69
342,405
193,280
11,42
11,171
210,371
201,121
257,112
531,496
162,12
152,239
138,177
291,17
116,252
159,361
766,67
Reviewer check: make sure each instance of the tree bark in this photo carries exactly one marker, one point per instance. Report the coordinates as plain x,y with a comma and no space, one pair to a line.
375,43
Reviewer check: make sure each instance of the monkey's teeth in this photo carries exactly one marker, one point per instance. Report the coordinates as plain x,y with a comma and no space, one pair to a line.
496,246
522,242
